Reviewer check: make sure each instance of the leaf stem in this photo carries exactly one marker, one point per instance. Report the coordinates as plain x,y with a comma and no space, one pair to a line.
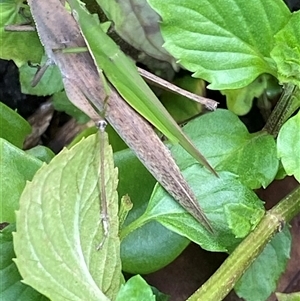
282,111
224,279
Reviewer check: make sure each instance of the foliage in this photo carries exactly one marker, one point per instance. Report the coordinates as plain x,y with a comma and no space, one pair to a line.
241,49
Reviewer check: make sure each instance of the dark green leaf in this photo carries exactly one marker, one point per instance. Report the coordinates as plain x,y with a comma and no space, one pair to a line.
13,127
261,278
11,288
227,43
42,153
59,256
152,246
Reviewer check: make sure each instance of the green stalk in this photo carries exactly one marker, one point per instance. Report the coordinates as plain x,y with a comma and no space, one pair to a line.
285,107
225,278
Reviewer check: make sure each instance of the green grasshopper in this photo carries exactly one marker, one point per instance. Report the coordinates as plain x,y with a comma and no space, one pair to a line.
57,30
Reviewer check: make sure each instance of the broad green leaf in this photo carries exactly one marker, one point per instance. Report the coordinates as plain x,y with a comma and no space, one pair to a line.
227,43
16,167
226,142
59,256
214,195
136,288
288,297
13,127
138,24
51,83
154,245
288,145
261,278
20,47
286,52
11,288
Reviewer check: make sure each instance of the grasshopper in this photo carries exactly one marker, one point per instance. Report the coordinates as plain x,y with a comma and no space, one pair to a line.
57,30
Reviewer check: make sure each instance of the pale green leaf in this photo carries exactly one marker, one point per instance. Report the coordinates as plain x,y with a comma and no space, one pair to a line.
13,127
16,167
288,145
288,297
59,227
11,288
136,288
286,52
227,43
260,280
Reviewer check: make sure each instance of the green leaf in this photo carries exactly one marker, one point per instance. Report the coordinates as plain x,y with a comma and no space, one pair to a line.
239,101
20,47
230,147
62,103
286,52
261,278
13,127
138,24
214,193
136,288
288,145
59,257
16,167
288,297
154,245
51,81
42,153
11,288
227,43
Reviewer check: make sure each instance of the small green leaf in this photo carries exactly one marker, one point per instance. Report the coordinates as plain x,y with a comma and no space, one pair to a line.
50,83
288,297
239,101
286,52
11,288
62,103
261,278
13,127
288,145
227,43
226,142
59,257
16,167
136,288
42,153
20,47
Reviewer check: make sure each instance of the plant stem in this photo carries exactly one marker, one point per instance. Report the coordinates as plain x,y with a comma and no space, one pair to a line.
282,111
224,279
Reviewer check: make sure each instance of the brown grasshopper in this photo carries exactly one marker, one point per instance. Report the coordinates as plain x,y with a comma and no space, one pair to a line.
57,29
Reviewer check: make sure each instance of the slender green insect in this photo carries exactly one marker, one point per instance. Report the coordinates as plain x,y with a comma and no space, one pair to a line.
103,200
123,75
